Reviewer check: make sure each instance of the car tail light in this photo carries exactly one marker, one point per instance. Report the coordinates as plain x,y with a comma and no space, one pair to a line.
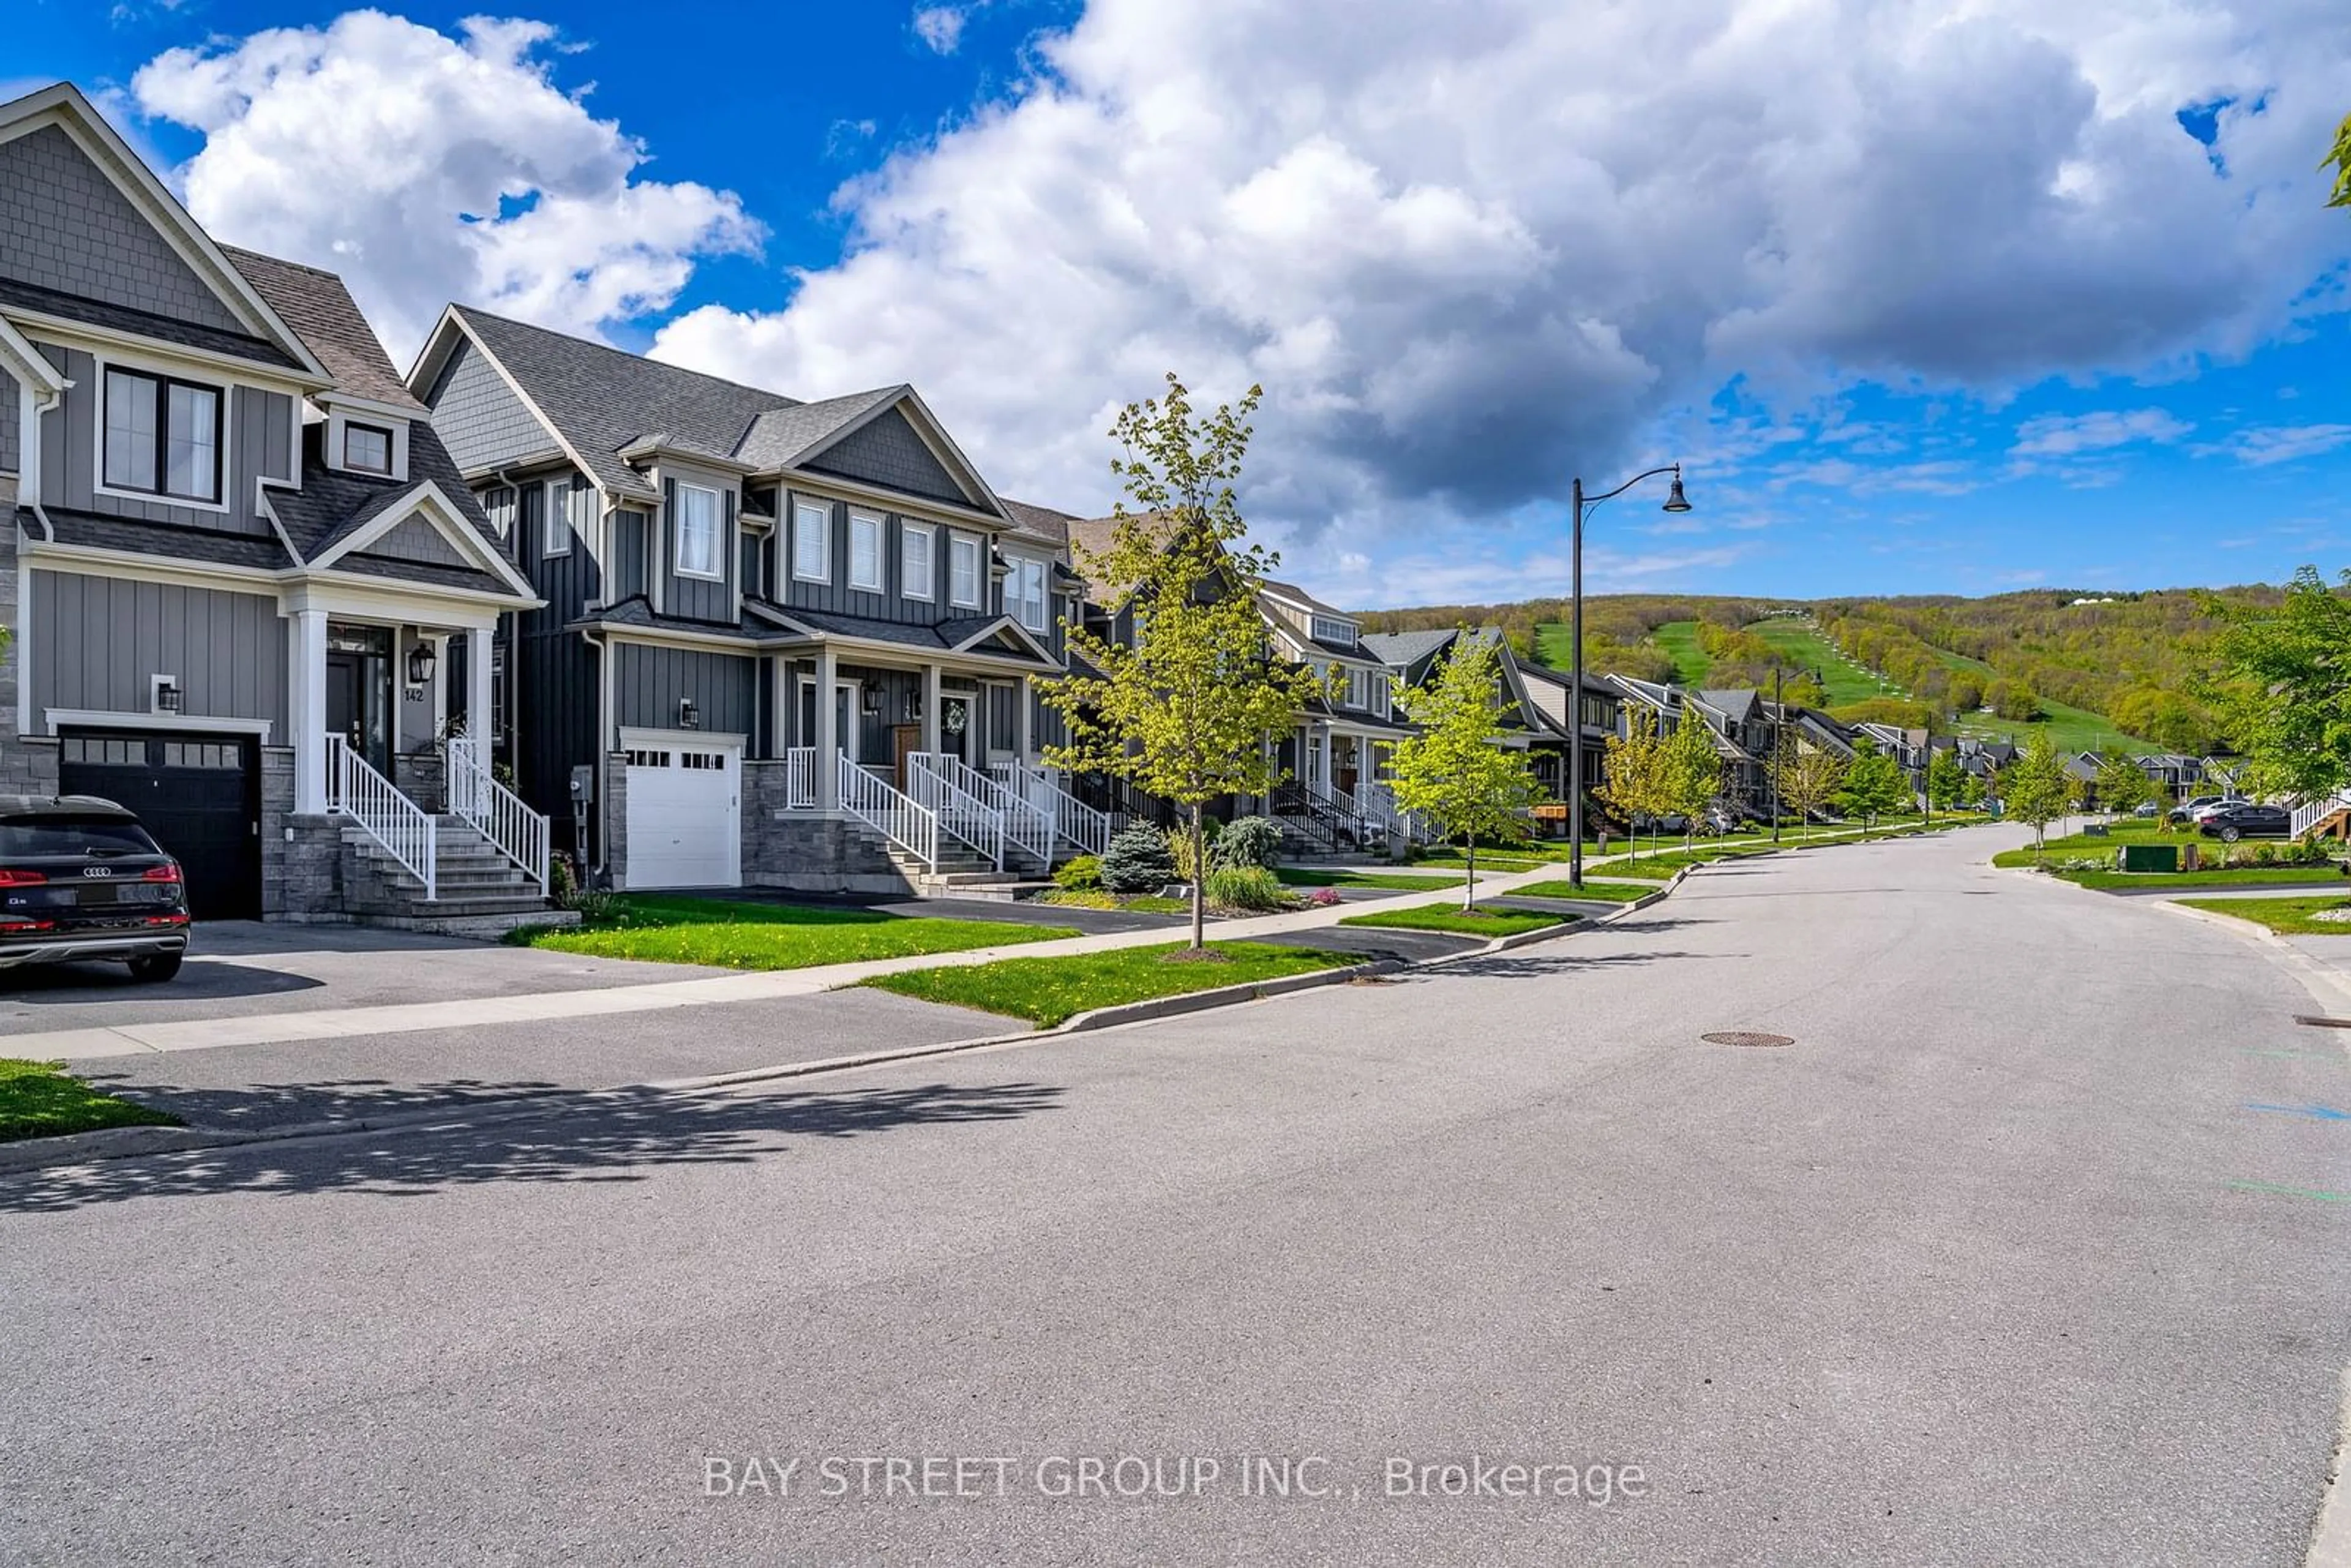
27,925
10,878
167,920
167,871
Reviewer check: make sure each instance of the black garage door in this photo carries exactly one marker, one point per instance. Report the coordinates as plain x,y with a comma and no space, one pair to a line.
198,794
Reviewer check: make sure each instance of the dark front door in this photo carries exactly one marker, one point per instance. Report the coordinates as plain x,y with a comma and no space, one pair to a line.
955,727
355,708
198,794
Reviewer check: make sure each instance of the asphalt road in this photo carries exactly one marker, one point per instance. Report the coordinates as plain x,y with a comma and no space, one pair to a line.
1999,1262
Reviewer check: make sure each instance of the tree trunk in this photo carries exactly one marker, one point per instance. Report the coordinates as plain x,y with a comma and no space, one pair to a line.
1469,877
1199,886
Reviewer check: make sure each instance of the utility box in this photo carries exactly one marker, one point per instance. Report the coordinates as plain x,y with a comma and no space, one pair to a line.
2147,857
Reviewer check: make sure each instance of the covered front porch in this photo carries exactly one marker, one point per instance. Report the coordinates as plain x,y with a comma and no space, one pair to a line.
390,702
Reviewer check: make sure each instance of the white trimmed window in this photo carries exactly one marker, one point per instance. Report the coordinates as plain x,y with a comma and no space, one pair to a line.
163,436
812,541
917,577
367,448
1330,629
963,571
1024,591
865,552
699,522
558,518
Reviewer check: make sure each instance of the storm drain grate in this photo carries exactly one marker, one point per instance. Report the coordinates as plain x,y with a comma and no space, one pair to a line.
1744,1037
2314,1021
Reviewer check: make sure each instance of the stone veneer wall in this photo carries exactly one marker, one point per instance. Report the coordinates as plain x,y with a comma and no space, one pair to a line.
301,857
28,764
803,852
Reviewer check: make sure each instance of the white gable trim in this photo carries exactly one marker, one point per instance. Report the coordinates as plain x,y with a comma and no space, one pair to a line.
427,501
1006,623
63,106
932,434
27,364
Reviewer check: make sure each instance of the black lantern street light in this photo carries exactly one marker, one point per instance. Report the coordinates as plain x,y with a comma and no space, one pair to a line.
1675,502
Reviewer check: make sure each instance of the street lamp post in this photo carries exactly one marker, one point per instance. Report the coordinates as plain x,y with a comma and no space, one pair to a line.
1675,502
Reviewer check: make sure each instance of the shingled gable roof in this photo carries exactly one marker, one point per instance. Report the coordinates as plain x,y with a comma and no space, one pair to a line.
782,437
321,310
602,399
1042,524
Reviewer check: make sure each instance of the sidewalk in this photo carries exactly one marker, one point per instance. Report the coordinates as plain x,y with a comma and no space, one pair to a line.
201,1034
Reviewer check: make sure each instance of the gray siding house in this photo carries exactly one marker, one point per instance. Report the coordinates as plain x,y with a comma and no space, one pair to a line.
781,643
242,576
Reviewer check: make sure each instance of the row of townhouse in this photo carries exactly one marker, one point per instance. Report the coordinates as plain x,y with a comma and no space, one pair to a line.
361,644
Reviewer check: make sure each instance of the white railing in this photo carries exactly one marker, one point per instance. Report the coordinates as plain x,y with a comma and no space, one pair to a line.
2310,813
911,827
406,829
958,811
1072,818
497,812
1027,826
799,778
1380,806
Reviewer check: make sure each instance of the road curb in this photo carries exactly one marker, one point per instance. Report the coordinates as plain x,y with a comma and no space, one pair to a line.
2319,979
133,1143
2330,1535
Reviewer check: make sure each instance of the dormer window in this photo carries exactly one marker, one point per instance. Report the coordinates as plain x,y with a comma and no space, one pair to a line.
1328,629
367,448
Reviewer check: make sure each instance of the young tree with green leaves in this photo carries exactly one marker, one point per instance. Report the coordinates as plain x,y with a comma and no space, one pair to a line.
1456,771
2288,695
2036,789
2123,785
1807,777
1691,771
2339,159
1874,786
1946,781
1635,781
1186,709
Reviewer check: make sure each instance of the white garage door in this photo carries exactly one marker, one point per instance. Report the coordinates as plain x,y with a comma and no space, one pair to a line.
685,826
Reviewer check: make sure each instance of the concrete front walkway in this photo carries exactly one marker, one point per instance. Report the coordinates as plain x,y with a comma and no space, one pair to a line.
130,1039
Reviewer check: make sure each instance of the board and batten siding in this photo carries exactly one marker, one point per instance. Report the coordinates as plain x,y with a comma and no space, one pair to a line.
478,417
699,598
891,604
260,431
649,682
556,692
628,578
97,642
11,440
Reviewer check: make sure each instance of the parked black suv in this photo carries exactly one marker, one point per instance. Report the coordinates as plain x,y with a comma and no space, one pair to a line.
79,878
2246,821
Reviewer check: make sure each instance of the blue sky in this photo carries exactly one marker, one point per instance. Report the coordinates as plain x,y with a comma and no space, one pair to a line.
1927,302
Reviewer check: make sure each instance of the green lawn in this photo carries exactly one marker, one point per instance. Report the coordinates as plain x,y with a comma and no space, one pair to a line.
1340,876
1095,898
41,1100
2286,916
1661,868
1591,891
2075,729
729,934
2237,876
1048,991
2077,844
1480,922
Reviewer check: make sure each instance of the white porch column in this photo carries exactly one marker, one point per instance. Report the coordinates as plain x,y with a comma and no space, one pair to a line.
930,707
305,701
1330,780
478,706
1020,702
828,731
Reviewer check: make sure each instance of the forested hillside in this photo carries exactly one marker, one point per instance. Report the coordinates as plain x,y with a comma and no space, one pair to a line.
2100,669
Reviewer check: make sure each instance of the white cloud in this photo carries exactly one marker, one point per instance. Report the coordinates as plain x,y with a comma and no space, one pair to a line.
2286,443
426,169
2063,435
1469,261
940,28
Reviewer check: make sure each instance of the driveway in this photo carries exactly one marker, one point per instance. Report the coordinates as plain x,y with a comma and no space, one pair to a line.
238,969
2019,1252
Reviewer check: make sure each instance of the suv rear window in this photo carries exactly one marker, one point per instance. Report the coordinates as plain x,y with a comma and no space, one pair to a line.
36,836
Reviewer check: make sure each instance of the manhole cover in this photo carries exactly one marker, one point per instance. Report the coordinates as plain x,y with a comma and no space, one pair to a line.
1744,1037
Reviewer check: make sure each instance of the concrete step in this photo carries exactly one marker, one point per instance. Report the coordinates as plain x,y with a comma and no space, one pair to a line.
995,890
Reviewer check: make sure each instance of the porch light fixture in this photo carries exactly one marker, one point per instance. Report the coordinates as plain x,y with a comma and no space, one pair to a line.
687,718
872,701
420,660
166,693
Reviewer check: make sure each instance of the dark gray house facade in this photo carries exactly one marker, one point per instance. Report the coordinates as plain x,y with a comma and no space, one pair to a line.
241,574
782,643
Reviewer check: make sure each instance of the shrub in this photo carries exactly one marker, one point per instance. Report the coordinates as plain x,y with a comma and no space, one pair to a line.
1250,842
563,882
1246,887
1179,848
1137,860
1080,874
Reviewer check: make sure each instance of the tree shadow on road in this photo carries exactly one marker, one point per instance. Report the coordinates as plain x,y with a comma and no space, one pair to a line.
1529,963
609,1135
